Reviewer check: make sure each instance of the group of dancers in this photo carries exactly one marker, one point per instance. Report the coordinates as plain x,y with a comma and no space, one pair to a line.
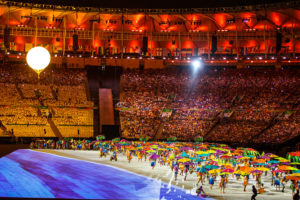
184,169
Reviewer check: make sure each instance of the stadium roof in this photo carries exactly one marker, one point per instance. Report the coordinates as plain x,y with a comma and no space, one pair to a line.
151,3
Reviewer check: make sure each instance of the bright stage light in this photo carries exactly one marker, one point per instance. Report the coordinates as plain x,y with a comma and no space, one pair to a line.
38,58
196,64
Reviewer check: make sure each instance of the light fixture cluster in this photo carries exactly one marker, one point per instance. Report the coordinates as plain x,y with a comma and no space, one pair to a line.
165,31
108,29
50,27
21,26
194,31
137,30
79,29
250,29
222,30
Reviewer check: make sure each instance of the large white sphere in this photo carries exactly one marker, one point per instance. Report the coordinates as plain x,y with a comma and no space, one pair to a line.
38,58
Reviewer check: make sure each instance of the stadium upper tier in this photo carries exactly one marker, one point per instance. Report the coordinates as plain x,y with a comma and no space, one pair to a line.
256,29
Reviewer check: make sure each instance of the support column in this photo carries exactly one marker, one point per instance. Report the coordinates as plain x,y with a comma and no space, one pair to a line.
122,37
36,31
237,42
64,37
293,40
150,42
265,41
93,38
208,46
8,16
179,45
7,25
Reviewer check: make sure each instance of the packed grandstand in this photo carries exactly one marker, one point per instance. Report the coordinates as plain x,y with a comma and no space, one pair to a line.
220,104
28,103
258,105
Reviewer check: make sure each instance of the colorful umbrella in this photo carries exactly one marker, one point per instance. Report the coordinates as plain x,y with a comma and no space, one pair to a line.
228,170
295,178
184,160
295,174
188,163
214,171
292,168
264,169
260,164
283,167
278,171
202,170
151,151
211,167
273,161
183,154
224,173
154,156
226,156
243,173
294,163
203,155
256,171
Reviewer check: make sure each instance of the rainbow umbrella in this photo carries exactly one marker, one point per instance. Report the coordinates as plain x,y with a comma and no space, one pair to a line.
224,173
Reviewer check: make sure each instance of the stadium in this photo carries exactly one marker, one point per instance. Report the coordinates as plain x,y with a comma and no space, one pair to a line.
150,100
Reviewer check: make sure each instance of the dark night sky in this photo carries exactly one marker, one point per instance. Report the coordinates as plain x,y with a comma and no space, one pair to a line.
153,3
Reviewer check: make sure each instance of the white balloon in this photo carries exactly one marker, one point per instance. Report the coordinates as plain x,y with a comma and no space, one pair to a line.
38,58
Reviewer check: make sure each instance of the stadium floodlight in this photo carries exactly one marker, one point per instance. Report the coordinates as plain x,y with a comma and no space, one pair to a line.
38,58
196,64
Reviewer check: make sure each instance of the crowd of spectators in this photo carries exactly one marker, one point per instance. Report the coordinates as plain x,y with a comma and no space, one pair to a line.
226,105
28,100
221,104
